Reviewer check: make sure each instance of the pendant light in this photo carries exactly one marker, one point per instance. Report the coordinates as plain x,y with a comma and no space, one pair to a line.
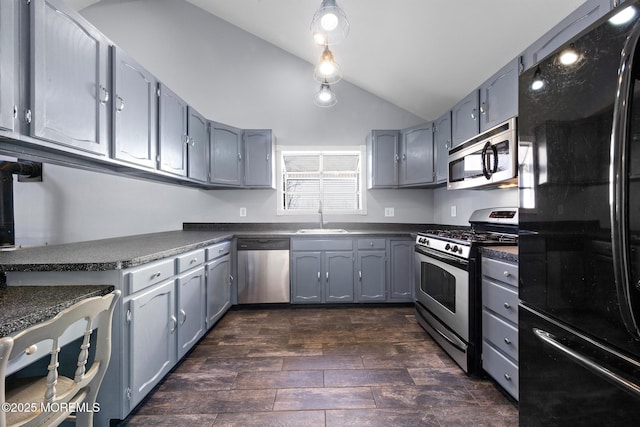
328,71
329,24
325,96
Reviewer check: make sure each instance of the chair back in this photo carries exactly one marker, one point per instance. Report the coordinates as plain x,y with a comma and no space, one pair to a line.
51,399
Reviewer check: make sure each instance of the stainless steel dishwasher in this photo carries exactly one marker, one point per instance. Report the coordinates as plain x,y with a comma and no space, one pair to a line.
263,270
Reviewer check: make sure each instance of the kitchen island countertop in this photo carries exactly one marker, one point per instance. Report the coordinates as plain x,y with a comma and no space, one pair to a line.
25,306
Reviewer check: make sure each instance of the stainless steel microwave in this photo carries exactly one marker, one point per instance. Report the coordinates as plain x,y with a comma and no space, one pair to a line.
487,160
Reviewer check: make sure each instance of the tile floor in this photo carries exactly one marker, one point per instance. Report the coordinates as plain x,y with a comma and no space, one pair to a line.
304,366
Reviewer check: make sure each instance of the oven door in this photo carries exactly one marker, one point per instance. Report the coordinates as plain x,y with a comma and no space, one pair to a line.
442,287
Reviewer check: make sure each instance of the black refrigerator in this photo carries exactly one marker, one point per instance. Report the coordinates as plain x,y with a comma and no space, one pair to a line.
579,238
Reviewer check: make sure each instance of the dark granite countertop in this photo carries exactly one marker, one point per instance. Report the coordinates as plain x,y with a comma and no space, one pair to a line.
25,306
108,254
507,253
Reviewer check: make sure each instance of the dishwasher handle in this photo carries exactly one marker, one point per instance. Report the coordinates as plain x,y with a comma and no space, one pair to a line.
263,244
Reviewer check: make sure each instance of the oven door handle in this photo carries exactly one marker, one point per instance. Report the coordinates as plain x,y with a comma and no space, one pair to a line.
446,337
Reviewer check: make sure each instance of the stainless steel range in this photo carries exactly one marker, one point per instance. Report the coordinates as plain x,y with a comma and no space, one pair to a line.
447,281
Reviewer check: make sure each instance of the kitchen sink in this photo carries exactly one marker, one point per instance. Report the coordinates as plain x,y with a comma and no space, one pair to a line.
321,231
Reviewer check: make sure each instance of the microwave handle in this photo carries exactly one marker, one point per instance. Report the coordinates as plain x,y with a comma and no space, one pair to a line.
487,170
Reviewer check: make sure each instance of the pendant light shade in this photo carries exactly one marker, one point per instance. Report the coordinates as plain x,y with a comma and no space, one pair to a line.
328,71
329,24
325,96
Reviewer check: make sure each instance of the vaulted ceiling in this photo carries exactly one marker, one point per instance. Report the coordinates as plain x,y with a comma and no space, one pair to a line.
421,55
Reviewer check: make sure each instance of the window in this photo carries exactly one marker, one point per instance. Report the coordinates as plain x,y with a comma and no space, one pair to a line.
308,177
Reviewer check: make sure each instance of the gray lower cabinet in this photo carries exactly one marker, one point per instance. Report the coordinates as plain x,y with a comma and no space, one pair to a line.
218,273
499,96
500,322
172,132
371,269
9,64
135,109
258,159
322,271
465,121
198,146
401,274
192,309
416,156
70,96
441,146
225,155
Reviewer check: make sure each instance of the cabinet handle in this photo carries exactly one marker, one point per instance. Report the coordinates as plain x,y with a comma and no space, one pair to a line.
360,275
473,114
230,280
507,377
507,305
483,108
31,350
318,276
174,324
397,158
507,341
404,157
194,261
506,274
239,157
154,275
104,99
327,275
184,316
371,244
120,106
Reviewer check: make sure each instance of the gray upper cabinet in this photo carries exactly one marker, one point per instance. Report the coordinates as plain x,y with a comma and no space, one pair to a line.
70,79
172,133
465,122
135,109
499,96
383,158
258,159
416,156
8,65
198,146
441,146
577,21
225,155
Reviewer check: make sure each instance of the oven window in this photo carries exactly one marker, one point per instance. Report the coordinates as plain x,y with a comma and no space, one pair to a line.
439,284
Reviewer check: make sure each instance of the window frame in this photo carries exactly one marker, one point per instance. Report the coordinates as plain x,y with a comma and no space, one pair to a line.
359,149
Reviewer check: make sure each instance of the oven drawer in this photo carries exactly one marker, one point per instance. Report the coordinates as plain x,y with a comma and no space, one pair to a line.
504,371
500,299
501,334
500,270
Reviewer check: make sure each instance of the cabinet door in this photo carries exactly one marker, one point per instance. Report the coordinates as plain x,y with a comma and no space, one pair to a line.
198,147
578,20
135,109
401,276
338,276
225,155
465,122
218,289
441,146
306,273
152,338
8,84
499,96
383,158
70,79
416,156
192,310
372,276
172,132
258,159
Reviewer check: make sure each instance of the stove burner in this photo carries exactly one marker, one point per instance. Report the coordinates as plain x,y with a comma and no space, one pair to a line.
471,236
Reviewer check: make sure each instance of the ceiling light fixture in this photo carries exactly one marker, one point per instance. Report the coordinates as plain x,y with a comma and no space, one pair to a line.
328,71
325,96
329,24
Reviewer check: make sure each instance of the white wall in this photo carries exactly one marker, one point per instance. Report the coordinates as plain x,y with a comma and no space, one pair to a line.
229,76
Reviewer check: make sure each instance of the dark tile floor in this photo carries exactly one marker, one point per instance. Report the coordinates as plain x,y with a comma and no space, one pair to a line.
345,366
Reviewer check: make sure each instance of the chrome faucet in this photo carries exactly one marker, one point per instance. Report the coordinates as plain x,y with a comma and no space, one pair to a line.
321,214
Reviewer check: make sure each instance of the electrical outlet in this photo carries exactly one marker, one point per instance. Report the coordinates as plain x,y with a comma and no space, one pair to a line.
388,212
454,211
243,211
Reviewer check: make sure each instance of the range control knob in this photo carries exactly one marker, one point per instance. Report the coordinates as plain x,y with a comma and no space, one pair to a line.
446,248
455,249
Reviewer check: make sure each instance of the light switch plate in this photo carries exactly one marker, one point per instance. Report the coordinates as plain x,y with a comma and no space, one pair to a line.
243,211
454,211
389,212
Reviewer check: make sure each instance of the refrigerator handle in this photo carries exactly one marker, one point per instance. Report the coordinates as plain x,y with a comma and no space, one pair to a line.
587,363
618,183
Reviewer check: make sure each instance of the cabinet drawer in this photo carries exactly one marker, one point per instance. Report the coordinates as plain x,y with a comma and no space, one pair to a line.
500,270
500,299
322,244
144,276
501,369
189,260
501,334
372,243
218,250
